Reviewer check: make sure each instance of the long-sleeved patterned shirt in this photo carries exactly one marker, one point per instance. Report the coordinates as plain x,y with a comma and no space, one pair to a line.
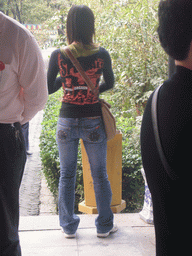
78,100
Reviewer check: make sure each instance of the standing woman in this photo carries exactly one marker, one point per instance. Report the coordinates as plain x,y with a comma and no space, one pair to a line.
80,117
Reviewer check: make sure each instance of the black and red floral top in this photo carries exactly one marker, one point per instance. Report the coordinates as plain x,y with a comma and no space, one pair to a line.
78,100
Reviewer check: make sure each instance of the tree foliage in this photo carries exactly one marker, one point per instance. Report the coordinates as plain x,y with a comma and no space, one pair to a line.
26,11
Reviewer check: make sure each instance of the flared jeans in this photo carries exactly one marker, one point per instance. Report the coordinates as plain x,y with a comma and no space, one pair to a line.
91,130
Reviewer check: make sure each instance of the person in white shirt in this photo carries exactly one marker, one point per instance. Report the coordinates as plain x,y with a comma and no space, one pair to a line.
23,92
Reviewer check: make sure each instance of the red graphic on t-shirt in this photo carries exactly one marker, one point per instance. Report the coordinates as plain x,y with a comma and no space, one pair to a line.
75,89
2,66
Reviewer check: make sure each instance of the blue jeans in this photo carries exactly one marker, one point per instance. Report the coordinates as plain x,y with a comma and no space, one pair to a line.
91,130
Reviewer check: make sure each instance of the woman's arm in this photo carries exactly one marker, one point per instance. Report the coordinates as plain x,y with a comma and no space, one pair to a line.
54,82
108,75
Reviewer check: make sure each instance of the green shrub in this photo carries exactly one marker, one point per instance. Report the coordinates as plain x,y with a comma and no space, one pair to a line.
132,180
48,147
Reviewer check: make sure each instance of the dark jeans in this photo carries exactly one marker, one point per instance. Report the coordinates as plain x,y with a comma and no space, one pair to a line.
12,161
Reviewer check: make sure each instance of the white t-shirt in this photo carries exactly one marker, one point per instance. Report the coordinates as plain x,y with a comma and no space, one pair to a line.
23,83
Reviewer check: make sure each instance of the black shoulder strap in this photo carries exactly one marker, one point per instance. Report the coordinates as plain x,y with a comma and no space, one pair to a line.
166,165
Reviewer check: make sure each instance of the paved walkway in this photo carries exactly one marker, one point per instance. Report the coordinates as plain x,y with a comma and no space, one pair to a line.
35,197
31,182
41,235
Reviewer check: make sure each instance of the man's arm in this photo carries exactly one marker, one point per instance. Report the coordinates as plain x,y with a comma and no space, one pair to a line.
32,79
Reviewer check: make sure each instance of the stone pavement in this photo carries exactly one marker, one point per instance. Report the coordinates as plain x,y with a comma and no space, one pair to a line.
31,182
41,235
35,197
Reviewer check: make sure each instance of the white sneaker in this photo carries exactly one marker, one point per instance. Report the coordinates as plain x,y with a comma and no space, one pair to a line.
104,235
68,235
